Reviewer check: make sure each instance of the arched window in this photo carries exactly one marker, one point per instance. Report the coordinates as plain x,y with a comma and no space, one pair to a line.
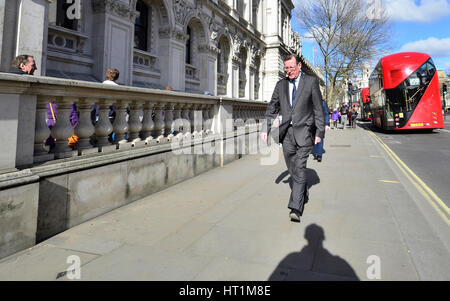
188,46
242,71
222,56
222,65
141,27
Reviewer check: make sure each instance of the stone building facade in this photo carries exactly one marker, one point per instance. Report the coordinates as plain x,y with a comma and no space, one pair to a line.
222,47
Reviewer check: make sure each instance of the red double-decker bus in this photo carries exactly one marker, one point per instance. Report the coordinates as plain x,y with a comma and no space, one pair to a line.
366,114
404,93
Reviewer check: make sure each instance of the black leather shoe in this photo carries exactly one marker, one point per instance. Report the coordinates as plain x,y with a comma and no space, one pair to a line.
319,158
295,216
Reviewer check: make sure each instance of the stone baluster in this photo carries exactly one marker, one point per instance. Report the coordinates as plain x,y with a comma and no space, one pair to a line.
120,125
42,132
103,126
206,121
63,128
197,120
211,117
186,119
135,124
237,116
84,129
158,130
246,115
177,123
168,118
147,122
192,119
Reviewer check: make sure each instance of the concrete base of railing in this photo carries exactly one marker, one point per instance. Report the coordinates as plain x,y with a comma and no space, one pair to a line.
50,198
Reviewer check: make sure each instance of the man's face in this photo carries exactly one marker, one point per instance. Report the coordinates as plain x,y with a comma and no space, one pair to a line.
30,67
292,68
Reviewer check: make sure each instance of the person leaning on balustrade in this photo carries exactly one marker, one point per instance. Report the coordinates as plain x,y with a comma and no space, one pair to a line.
23,64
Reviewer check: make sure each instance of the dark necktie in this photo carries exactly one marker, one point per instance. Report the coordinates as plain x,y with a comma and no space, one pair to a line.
294,90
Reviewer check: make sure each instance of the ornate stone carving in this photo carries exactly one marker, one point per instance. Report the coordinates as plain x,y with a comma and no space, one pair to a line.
255,52
115,8
171,33
209,49
181,10
237,42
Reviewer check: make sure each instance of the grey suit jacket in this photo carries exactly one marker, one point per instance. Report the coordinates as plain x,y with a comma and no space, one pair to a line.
306,115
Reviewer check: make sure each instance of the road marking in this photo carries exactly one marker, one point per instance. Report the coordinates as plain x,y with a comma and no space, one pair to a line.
375,157
387,181
447,131
429,195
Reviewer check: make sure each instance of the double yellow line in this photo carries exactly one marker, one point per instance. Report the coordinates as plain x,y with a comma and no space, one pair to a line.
427,193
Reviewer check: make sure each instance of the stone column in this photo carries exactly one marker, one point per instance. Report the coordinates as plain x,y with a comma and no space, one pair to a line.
103,127
120,125
84,129
235,77
63,128
31,31
147,122
135,124
172,43
41,131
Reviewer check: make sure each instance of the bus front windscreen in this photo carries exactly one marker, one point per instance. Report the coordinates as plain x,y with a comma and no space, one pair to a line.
403,99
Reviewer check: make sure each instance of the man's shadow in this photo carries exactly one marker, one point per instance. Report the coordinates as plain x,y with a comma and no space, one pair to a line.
311,176
313,262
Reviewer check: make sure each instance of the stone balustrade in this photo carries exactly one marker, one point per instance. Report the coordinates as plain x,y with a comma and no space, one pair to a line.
142,116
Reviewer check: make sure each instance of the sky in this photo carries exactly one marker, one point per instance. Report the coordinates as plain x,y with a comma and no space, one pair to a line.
417,25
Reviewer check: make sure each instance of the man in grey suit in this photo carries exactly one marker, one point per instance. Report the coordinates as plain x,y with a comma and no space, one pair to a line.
298,100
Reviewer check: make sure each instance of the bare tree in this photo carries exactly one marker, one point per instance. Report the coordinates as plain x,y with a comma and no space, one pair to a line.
348,33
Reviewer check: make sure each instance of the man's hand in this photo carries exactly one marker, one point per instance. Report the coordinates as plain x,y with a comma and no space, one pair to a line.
318,139
264,137
327,128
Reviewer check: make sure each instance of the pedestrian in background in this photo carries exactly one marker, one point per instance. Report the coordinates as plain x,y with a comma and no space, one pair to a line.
112,75
344,112
335,118
318,148
354,114
23,64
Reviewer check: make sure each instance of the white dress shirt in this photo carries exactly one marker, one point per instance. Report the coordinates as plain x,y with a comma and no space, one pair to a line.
291,87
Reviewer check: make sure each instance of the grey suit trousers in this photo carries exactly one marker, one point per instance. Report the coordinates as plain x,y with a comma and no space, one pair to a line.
296,158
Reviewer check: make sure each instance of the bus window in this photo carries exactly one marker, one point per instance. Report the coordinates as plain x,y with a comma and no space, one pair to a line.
406,95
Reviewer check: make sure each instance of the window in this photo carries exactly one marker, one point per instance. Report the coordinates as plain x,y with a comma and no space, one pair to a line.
188,46
405,97
141,27
58,15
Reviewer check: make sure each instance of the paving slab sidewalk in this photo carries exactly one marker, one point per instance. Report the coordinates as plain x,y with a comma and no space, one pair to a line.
232,223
